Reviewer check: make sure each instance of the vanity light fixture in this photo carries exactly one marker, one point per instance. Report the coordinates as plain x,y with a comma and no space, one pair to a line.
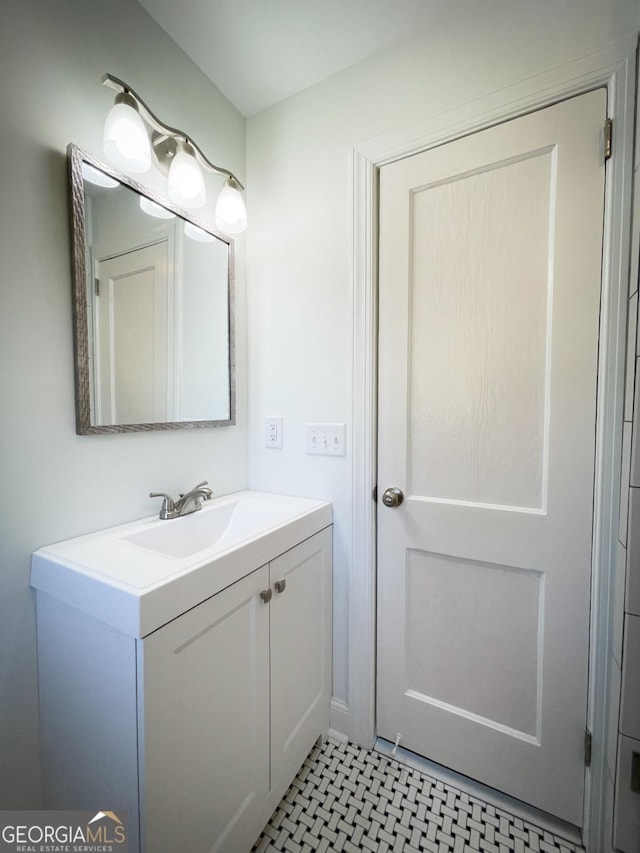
231,214
186,184
125,138
135,136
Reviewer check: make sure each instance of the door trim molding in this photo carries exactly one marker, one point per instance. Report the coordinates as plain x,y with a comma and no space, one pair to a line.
613,68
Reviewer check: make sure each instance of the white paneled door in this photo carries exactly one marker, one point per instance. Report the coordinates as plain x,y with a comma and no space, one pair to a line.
490,267
131,336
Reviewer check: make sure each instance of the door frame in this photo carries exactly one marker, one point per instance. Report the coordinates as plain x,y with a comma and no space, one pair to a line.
614,69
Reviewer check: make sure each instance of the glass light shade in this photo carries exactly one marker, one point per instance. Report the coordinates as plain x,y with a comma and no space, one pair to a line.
126,142
154,209
198,234
186,184
95,176
231,214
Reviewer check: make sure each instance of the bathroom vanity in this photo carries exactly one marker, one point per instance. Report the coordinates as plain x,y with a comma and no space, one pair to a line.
186,686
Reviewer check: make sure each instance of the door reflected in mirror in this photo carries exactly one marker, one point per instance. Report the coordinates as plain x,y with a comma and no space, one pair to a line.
153,308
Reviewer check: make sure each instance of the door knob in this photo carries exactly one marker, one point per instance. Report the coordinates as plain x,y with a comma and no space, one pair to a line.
280,585
266,595
392,497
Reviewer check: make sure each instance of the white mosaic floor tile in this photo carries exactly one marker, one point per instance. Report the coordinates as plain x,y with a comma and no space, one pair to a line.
346,799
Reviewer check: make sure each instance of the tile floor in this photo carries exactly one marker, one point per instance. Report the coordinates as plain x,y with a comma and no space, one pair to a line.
349,799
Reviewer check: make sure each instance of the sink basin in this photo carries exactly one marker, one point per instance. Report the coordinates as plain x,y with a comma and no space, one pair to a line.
185,536
138,576
219,524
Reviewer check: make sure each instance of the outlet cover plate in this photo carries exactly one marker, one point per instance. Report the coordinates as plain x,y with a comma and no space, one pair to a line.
273,431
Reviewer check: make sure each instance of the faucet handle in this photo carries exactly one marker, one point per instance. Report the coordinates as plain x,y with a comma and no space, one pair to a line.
168,507
207,493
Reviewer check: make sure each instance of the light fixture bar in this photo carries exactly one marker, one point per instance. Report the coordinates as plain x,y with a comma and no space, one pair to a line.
153,121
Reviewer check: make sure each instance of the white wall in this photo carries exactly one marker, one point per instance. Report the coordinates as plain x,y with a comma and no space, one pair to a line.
54,483
299,276
205,324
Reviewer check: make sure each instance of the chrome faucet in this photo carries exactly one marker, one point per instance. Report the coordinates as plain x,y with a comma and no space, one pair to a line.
189,502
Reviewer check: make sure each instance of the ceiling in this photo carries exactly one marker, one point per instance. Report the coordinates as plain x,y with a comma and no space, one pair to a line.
259,52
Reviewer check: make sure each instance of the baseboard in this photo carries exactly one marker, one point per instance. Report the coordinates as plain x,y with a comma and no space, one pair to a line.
339,719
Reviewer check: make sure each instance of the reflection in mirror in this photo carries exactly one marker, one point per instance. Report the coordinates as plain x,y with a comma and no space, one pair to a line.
153,298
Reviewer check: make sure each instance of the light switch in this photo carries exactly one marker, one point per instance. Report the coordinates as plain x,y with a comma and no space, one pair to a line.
326,439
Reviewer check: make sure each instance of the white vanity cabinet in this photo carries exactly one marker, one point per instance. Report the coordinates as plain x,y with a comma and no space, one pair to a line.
204,720
198,727
235,693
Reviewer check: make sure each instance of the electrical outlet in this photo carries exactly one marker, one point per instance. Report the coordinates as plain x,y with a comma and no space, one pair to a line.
326,439
273,432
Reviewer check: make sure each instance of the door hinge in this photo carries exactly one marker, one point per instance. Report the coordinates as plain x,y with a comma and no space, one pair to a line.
587,748
374,494
635,772
96,282
608,138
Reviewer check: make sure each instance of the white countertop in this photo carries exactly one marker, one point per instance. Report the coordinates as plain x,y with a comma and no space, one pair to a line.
137,590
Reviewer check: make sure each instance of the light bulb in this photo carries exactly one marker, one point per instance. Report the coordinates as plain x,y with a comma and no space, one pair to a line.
231,214
126,142
154,209
186,184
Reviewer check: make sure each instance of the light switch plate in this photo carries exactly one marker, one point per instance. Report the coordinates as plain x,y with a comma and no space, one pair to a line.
326,439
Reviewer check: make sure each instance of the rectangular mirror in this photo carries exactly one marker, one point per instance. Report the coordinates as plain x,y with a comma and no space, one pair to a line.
153,308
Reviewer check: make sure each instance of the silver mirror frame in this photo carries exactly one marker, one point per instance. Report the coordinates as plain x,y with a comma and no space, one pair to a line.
75,158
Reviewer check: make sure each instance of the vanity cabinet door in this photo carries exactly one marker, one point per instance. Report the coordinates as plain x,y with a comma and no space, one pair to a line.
204,737
300,654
